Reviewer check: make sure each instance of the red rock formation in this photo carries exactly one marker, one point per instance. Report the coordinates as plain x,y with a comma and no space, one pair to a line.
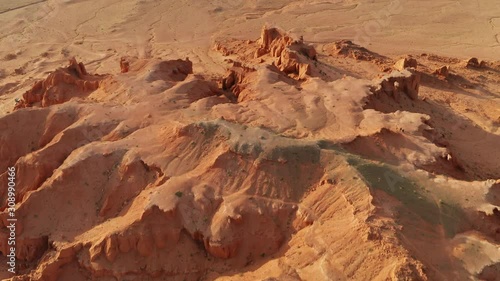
291,55
26,249
490,273
222,49
234,80
347,48
397,82
475,63
472,63
288,63
220,251
443,71
60,86
124,65
405,63
170,70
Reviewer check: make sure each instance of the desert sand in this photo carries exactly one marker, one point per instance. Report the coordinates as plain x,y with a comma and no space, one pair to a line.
251,140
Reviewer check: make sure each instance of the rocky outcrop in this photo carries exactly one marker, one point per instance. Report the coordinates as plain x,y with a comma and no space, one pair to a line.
27,249
170,70
61,86
347,48
475,63
490,273
233,81
124,65
274,41
292,55
220,47
397,83
493,195
289,63
220,251
155,190
405,63
443,71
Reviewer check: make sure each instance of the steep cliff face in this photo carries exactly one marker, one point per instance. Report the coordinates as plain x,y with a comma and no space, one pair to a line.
293,56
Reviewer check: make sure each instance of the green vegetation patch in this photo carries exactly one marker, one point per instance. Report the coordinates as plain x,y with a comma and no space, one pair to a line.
410,195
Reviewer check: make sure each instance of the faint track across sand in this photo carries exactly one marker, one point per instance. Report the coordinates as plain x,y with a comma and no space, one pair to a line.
22,6
495,25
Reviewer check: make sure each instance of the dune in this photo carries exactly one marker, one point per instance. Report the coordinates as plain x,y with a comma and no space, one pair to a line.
250,140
